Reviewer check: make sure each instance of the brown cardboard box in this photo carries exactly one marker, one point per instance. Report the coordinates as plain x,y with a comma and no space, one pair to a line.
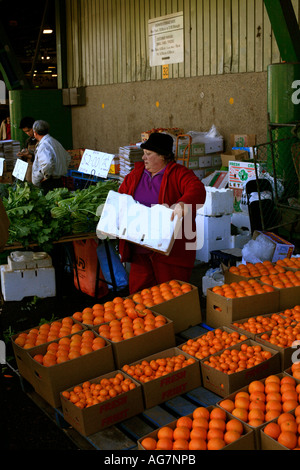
223,311
223,384
22,355
95,418
48,382
133,349
289,297
246,442
232,155
242,140
184,310
244,331
173,384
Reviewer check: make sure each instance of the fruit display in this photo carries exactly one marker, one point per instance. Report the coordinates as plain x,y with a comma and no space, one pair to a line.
236,360
263,401
127,327
146,371
212,342
91,393
242,289
70,347
161,293
286,429
295,370
283,280
257,269
204,429
281,336
47,332
293,262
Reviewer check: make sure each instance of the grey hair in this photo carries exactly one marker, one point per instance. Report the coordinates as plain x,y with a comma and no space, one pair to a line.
41,127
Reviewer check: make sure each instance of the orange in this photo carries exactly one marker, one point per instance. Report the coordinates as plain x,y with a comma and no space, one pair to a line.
289,405
215,444
149,443
218,414
256,386
180,444
182,432
200,423
214,433
185,421
288,439
273,430
201,412
234,425
217,423
164,444
231,436
241,414
198,433
284,417
228,405
289,425
197,444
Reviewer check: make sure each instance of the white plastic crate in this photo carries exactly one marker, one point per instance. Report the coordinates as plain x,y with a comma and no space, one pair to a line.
218,202
213,233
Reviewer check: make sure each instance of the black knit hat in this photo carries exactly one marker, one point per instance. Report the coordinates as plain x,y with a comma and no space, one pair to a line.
160,143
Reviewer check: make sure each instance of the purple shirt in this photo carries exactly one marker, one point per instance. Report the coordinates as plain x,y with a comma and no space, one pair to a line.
146,193
147,190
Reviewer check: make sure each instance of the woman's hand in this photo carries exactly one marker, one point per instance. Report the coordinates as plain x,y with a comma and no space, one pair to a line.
180,210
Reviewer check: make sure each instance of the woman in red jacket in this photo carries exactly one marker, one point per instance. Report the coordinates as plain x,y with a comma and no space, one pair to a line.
158,179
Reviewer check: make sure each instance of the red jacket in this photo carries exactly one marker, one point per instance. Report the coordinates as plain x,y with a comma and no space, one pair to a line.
179,184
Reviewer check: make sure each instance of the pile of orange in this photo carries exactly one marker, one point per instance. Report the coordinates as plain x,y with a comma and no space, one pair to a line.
145,371
293,262
286,429
263,401
242,289
282,280
47,332
236,360
70,347
162,292
261,323
282,336
111,310
212,342
292,313
256,269
126,327
295,370
92,393
202,430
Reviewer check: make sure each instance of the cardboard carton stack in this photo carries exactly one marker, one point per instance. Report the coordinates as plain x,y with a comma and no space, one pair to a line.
128,155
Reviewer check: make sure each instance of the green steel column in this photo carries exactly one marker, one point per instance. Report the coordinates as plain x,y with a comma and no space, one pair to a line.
285,27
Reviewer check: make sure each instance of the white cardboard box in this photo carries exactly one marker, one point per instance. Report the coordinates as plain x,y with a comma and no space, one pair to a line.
218,202
213,233
122,217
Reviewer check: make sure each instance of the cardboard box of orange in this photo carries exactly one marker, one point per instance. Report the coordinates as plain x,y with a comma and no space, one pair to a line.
95,418
22,355
223,384
184,310
48,382
224,311
246,441
170,385
285,353
256,429
150,342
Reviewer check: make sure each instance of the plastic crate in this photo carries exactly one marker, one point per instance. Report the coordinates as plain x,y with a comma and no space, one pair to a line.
218,257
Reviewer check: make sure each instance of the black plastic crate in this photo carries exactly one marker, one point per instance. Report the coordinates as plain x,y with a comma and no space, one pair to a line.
218,257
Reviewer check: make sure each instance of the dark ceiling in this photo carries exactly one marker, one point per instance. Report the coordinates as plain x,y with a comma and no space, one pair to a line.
35,52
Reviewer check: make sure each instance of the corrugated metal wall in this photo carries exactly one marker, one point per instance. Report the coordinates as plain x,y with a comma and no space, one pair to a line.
107,40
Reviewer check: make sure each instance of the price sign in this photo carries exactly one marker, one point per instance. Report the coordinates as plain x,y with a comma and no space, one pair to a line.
20,169
96,163
1,166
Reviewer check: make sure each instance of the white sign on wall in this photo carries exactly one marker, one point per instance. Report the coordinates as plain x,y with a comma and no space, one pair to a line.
96,163
166,43
20,169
